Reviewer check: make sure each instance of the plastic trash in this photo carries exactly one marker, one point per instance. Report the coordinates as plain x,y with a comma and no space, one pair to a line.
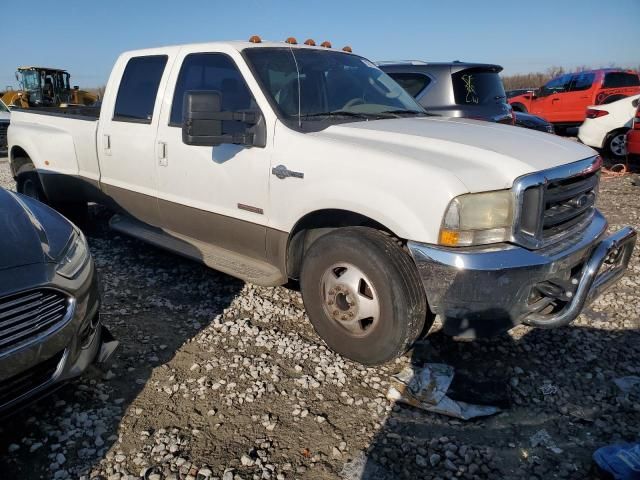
426,388
622,461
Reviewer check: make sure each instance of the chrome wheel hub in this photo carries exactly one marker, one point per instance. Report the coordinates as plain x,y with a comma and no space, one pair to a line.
617,145
350,299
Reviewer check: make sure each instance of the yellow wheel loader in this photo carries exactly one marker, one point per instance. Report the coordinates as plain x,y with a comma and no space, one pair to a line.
45,87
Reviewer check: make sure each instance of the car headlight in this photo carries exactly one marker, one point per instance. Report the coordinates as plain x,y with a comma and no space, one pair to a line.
75,256
477,219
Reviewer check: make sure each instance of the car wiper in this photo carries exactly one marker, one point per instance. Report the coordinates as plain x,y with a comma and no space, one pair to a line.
337,113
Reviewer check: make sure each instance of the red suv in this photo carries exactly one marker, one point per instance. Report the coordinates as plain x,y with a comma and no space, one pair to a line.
633,135
564,100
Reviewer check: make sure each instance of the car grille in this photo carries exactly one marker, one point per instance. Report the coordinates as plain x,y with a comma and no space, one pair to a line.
4,126
556,203
24,382
26,315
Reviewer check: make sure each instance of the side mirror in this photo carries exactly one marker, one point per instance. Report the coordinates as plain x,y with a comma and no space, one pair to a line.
202,121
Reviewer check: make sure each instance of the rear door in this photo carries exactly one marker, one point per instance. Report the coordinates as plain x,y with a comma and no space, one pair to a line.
547,103
127,133
617,85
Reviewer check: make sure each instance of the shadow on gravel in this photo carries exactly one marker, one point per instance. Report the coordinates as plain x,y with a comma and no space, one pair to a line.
556,380
153,303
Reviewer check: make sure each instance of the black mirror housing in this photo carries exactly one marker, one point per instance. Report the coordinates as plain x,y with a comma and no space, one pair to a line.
203,119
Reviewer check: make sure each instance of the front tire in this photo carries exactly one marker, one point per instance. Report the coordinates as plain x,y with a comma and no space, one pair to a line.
363,294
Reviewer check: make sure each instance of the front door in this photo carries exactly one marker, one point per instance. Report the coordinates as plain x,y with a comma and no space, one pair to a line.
216,195
548,103
127,133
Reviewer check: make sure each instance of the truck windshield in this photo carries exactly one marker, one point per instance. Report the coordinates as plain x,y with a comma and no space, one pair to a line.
3,107
309,85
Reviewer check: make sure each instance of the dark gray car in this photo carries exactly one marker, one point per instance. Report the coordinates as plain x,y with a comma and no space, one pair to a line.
454,89
50,329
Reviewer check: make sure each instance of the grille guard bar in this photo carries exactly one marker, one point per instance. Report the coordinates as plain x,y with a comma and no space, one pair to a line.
591,284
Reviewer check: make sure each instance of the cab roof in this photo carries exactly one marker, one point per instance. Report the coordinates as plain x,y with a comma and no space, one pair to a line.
238,45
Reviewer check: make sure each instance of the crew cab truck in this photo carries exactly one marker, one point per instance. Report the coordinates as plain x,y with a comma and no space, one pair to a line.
275,161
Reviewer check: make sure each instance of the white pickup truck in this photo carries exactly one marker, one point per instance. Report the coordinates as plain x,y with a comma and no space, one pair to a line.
275,162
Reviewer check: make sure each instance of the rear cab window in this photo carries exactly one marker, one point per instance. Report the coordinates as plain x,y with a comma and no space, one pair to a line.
138,89
477,86
620,79
414,83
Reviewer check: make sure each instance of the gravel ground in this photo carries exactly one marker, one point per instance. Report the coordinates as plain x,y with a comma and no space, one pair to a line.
215,378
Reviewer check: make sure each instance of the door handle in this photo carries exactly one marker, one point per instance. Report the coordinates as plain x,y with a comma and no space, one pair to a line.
107,144
163,161
283,172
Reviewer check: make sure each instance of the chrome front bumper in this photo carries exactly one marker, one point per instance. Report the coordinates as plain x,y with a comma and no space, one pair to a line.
484,291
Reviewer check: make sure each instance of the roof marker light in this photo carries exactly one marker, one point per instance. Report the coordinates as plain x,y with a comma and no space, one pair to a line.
255,39
347,49
310,42
291,40
326,44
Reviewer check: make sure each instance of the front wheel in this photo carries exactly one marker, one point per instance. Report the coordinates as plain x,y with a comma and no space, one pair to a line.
615,145
363,294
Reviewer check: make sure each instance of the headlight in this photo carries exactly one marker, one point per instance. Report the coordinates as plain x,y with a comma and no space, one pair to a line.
75,256
478,219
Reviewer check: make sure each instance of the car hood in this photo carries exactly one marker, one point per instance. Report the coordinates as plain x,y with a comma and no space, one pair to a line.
482,155
30,232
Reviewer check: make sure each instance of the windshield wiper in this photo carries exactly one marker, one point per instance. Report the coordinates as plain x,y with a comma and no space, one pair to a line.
339,113
400,112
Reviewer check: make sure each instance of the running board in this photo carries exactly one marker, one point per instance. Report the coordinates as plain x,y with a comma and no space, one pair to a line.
240,266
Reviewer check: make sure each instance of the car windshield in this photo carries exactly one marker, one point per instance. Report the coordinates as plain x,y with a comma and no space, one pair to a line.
3,107
312,86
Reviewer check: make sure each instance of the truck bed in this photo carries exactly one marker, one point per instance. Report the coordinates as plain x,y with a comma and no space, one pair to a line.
89,113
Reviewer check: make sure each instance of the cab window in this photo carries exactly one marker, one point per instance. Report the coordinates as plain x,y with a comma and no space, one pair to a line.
621,79
213,72
138,89
582,81
557,85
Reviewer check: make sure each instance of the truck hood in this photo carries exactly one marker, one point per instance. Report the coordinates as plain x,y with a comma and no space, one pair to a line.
482,155
30,232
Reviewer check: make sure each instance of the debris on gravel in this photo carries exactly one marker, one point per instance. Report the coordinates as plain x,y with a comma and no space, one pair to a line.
217,379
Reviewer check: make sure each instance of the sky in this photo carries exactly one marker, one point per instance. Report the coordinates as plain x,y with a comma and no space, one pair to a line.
85,37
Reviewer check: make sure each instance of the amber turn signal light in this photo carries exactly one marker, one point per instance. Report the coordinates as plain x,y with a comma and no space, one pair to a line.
449,238
326,44
291,40
255,39
310,42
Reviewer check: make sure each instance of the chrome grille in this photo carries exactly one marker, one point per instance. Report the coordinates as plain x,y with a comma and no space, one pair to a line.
555,203
26,315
